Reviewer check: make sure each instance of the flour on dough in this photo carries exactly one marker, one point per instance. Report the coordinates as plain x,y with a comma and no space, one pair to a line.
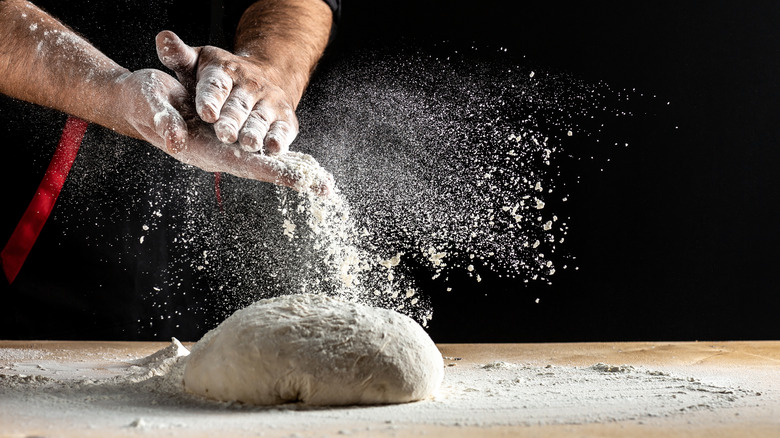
316,350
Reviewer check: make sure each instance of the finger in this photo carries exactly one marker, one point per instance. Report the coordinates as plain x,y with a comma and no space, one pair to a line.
254,130
170,126
214,86
234,113
280,135
295,170
177,56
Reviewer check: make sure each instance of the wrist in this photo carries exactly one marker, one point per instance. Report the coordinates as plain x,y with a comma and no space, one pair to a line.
290,76
112,97
286,37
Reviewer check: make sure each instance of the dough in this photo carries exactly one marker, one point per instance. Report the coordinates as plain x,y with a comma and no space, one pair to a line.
316,350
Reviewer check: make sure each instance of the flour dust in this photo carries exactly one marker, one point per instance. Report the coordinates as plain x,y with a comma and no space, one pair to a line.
446,167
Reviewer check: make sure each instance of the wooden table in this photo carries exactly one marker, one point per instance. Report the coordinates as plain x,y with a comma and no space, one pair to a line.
754,366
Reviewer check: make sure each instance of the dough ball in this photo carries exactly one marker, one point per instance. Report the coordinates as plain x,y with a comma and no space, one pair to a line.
316,350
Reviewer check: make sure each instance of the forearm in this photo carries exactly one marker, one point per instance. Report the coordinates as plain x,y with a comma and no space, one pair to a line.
44,62
287,37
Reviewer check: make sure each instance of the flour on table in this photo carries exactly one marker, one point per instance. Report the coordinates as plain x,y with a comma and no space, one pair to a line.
108,391
316,350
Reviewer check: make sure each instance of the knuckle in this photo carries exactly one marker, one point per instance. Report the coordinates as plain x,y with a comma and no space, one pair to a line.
228,66
252,84
260,115
236,107
218,83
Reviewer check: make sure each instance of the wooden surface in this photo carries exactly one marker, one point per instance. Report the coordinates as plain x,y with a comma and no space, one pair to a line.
746,364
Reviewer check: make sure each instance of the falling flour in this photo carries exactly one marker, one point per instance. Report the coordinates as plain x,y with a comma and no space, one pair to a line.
446,171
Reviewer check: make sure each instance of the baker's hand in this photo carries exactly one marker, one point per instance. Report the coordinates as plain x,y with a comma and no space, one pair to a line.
148,100
292,169
237,94
156,106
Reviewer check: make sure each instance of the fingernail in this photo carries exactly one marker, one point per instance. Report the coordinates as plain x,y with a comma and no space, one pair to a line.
273,145
250,142
226,132
207,112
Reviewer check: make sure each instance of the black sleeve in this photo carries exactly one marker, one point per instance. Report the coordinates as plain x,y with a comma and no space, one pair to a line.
335,6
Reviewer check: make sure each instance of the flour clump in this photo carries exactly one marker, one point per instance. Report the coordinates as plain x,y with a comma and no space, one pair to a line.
316,350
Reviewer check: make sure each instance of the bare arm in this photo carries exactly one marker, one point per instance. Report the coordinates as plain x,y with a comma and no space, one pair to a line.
44,62
251,96
287,37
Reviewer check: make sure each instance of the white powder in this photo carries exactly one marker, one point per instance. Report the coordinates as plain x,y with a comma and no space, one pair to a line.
344,263
147,394
392,262
421,173
158,117
436,258
457,174
21,354
289,229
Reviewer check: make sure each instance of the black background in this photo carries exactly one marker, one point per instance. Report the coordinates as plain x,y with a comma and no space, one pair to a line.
676,239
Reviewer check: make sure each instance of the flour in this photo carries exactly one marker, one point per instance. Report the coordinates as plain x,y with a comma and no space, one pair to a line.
21,354
447,162
342,260
147,394
159,116
310,178
436,157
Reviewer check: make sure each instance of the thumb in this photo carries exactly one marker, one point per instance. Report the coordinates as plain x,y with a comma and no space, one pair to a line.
177,56
170,126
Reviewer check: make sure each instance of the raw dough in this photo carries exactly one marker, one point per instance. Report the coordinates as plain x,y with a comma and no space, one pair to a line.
316,350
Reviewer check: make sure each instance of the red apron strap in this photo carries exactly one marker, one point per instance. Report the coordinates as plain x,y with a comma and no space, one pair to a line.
218,189
31,224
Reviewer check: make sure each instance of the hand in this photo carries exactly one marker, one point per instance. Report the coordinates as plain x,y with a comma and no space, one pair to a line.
148,100
240,96
155,105
292,169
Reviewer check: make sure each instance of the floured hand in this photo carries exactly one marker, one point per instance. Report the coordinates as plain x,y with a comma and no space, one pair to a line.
155,105
241,97
148,101
292,169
